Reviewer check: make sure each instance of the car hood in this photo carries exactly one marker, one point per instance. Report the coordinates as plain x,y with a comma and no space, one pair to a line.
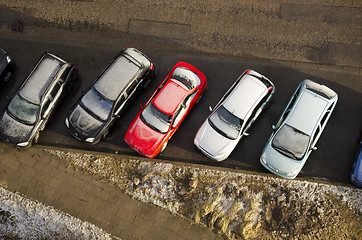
83,123
14,131
143,138
216,145
279,163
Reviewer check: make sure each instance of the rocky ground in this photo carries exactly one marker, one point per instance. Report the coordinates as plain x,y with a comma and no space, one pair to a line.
23,218
234,204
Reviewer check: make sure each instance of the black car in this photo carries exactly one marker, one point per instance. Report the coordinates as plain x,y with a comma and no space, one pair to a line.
31,107
127,74
5,67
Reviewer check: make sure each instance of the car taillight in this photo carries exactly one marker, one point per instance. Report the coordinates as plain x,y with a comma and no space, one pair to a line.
152,66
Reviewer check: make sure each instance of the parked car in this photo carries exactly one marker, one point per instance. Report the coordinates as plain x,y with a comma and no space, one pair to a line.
33,103
356,174
95,112
234,114
163,113
5,67
298,129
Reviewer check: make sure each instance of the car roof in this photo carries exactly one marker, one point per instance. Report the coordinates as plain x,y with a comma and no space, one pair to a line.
117,76
245,95
170,96
307,111
40,78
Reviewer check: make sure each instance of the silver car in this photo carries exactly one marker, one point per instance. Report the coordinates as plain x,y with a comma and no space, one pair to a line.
233,116
298,129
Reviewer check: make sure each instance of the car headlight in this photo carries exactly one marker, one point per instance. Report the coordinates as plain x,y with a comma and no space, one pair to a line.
67,122
23,144
90,140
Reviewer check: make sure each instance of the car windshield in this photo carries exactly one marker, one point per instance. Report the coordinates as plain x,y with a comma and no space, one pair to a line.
23,109
156,119
187,77
291,142
97,104
226,123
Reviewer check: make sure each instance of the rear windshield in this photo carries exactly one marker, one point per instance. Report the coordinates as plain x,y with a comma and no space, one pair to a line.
187,77
320,89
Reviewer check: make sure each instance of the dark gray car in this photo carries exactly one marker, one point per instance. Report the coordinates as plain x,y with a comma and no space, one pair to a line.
33,103
127,74
5,67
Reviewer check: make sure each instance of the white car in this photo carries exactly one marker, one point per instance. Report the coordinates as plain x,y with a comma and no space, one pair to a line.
233,115
298,129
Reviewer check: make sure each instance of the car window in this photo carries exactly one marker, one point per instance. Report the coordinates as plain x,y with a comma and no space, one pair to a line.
226,123
291,142
23,109
119,104
156,119
187,77
132,87
45,107
315,135
97,104
55,89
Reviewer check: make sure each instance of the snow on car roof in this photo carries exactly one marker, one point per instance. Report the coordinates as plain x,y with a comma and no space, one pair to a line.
170,96
40,78
245,95
117,77
307,112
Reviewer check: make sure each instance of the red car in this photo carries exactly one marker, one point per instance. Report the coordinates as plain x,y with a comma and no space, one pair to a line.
165,110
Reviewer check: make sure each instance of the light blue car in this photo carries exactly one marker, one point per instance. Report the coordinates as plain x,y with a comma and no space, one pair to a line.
298,129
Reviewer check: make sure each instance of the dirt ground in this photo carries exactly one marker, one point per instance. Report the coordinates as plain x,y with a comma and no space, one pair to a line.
236,205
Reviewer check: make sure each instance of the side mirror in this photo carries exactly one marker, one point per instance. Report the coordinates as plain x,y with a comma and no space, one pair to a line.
274,127
141,106
314,148
245,134
210,108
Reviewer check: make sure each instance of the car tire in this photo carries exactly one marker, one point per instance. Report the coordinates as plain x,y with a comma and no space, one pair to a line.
105,133
198,100
147,83
7,77
163,147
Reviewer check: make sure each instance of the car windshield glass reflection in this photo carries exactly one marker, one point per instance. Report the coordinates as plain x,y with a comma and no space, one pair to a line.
156,119
187,77
226,123
23,110
291,142
97,104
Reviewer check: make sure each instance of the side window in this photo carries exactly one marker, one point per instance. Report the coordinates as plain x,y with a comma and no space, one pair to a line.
119,104
55,90
131,87
315,135
64,75
45,106
178,116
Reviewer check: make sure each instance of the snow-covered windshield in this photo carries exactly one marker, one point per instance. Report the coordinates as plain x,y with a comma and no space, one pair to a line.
187,77
23,110
156,119
226,123
291,142
97,104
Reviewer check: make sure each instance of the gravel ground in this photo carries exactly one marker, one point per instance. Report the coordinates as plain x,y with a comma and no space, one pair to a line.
236,205
23,218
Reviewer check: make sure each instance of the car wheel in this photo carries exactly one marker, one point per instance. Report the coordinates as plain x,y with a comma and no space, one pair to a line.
164,147
105,133
147,83
36,137
198,100
7,77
